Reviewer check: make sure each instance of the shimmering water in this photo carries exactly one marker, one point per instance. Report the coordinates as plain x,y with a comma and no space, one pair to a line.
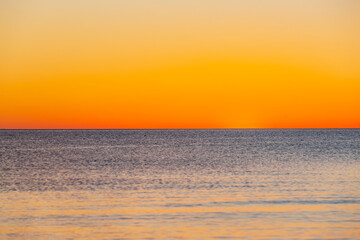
179,184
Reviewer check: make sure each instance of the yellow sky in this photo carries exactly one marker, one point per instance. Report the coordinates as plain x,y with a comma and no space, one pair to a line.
179,64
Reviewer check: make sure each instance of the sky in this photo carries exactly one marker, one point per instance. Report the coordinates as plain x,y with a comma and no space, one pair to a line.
179,64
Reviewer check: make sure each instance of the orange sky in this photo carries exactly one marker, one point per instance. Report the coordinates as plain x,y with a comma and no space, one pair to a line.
180,64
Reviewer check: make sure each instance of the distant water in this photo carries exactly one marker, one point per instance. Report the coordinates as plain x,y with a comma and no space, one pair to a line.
180,184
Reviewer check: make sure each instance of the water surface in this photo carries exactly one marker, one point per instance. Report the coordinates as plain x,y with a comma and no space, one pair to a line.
176,184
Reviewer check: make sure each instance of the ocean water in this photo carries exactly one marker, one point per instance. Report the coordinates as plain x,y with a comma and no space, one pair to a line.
180,184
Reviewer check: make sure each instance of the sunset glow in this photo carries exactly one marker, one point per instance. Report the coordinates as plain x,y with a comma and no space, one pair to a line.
180,64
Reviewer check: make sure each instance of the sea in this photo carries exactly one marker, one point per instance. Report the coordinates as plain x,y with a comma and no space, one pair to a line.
180,184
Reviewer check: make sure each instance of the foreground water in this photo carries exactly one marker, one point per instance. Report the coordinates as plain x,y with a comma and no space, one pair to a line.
175,184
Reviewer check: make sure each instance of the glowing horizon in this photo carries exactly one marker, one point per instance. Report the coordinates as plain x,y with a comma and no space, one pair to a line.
179,64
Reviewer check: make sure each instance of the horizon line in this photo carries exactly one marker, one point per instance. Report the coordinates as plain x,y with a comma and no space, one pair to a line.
178,128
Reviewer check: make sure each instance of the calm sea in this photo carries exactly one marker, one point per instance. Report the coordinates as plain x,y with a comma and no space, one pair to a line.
180,184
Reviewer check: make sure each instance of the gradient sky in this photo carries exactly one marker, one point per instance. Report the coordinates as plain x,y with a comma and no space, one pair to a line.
180,64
